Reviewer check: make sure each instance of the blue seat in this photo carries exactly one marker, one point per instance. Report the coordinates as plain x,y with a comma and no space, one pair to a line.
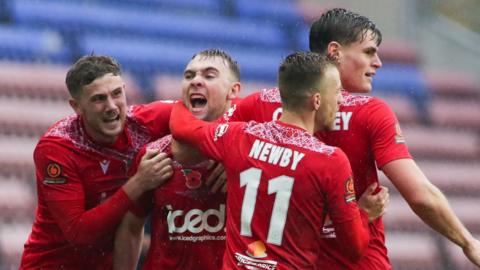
285,12
142,55
18,43
83,18
203,7
404,79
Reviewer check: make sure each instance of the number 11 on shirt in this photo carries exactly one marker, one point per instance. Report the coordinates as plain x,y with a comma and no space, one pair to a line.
282,187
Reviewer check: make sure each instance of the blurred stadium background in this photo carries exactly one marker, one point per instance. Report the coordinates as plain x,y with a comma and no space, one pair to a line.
430,78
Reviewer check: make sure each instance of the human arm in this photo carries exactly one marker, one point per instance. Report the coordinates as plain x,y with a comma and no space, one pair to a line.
208,137
128,242
374,201
65,198
429,203
350,222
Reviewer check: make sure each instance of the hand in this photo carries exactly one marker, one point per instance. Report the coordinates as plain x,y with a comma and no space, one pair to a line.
217,179
155,169
472,252
375,204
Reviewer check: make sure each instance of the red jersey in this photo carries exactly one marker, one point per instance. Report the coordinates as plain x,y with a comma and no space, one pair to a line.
367,130
281,183
188,221
74,175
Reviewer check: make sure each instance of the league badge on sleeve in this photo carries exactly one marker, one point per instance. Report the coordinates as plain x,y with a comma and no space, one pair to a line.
349,190
399,138
54,174
221,129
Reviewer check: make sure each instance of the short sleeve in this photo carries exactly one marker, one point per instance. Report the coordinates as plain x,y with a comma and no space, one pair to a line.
384,132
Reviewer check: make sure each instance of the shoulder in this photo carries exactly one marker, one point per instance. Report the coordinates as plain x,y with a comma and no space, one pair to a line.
162,144
277,133
271,95
64,132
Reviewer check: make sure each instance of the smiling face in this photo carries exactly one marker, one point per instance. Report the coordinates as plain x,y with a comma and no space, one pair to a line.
102,105
208,85
358,63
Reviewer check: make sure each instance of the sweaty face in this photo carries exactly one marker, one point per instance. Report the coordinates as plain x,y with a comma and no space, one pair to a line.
102,106
358,63
206,87
331,98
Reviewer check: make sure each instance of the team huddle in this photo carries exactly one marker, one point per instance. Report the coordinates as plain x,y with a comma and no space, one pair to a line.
285,178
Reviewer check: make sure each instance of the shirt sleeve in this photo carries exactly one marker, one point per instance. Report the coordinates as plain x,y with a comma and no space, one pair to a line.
385,135
351,224
244,109
155,116
210,137
63,191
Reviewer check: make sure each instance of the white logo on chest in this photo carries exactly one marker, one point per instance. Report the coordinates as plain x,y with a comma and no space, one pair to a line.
104,164
195,220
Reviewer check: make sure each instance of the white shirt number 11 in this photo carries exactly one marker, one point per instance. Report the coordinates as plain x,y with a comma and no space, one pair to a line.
282,186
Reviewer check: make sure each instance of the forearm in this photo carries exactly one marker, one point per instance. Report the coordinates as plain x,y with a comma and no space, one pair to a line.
89,227
354,236
436,212
128,243
426,200
185,127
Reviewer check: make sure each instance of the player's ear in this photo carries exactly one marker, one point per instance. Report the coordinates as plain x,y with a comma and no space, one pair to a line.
316,101
334,50
234,90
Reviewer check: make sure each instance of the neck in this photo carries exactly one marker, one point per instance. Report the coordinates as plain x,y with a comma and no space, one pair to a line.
305,120
186,154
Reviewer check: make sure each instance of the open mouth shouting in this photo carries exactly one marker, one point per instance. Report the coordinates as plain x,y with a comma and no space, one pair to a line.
198,102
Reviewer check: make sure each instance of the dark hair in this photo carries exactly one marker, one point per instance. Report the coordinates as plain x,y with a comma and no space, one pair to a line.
299,76
87,69
232,64
342,26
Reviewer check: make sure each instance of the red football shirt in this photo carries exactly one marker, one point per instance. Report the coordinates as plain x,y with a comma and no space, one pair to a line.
188,221
74,175
367,130
281,183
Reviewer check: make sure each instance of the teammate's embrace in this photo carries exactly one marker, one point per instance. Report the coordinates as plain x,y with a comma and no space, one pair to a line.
282,181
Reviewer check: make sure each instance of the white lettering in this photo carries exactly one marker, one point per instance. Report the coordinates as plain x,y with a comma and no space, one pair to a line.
265,152
287,154
256,147
275,155
297,156
277,114
342,120
195,220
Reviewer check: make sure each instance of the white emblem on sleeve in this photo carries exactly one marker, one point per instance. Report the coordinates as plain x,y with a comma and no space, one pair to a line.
221,129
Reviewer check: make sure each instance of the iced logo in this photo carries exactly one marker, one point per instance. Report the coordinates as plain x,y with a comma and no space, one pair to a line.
195,220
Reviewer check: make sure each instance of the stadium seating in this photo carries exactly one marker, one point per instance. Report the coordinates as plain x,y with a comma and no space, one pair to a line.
27,44
154,39
429,142
413,251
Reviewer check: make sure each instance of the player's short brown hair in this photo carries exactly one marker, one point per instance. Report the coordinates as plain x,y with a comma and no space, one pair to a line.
231,63
299,77
87,69
342,26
